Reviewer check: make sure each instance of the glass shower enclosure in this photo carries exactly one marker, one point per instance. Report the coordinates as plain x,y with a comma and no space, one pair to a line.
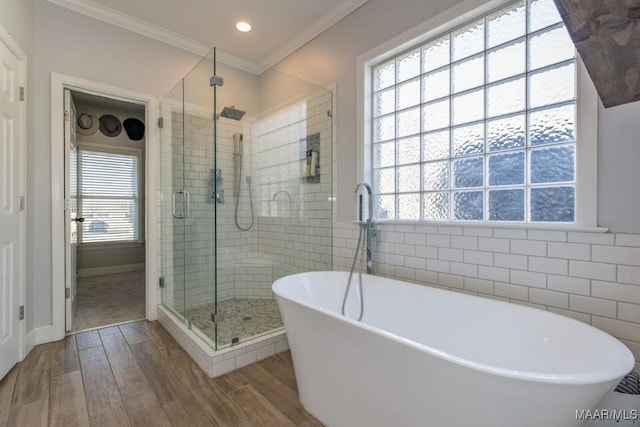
246,187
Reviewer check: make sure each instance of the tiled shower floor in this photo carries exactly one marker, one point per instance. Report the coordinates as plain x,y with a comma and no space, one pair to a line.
243,319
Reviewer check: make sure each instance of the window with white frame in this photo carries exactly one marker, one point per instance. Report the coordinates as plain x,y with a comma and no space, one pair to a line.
479,124
108,184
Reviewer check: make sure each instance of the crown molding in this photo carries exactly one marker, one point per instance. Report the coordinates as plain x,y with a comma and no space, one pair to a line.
326,20
128,22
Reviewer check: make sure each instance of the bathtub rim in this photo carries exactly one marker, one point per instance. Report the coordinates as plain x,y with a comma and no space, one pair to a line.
595,377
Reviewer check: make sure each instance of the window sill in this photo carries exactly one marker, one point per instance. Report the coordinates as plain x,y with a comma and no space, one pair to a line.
109,246
509,225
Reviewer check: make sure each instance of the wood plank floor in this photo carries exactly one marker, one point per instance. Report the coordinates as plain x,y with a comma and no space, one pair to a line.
136,375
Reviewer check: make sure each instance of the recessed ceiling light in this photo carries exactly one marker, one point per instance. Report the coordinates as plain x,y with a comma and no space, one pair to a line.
243,26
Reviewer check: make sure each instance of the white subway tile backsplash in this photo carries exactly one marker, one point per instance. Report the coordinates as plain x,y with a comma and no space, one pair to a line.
402,249
510,291
449,254
527,278
592,270
529,247
616,291
572,285
628,274
577,251
413,262
437,265
477,257
510,233
491,244
618,328
548,265
549,298
493,273
437,240
427,252
426,276
464,242
511,261
616,254
478,285
582,317
629,312
595,238
451,280
463,269
415,239
590,305
452,231
628,240
478,231
550,236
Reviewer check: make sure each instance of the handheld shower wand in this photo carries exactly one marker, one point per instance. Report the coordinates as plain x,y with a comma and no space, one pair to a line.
238,151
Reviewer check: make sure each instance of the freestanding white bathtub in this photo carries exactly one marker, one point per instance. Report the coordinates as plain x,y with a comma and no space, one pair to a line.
427,357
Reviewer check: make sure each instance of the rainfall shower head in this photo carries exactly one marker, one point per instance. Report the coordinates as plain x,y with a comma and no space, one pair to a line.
232,113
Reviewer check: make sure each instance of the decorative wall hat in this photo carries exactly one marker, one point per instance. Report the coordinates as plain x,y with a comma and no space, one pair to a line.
134,129
110,125
87,123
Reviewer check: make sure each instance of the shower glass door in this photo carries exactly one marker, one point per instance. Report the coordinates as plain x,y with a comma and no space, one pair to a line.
188,182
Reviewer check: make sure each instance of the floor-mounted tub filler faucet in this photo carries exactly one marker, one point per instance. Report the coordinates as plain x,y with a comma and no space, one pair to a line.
364,246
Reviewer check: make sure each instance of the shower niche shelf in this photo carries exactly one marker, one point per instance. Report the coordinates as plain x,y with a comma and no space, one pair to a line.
310,159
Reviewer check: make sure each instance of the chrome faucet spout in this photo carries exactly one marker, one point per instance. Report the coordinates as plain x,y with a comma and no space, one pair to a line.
357,192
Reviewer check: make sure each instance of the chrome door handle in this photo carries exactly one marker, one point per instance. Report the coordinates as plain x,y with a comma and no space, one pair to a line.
173,204
187,202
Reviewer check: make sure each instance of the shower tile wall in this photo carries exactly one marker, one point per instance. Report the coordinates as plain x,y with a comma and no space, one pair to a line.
592,277
294,213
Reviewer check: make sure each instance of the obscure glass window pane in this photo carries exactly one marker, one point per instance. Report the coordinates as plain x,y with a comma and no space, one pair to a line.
506,97
385,207
384,128
542,13
408,178
384,102
409,206
436,206
384,75
468,205
435,145
506,205
468,74
506,169
552,125
436,115
409,122
409,150
384,154
468,172
384,180
506,133
408,65
468,140
552,86
408,94
436,54
436,84
468,40
540,53
468,107
506,61
553,204
506,24
553,164
436,176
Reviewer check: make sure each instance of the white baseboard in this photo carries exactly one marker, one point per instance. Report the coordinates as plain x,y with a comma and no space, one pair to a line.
40,335
99,271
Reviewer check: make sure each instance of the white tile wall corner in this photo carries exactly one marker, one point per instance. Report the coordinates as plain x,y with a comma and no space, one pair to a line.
217,363
593,277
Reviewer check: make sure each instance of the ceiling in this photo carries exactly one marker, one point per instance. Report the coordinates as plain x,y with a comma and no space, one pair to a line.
279,26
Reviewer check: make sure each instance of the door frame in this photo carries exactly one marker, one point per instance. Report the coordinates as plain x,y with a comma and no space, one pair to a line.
60,82
13,46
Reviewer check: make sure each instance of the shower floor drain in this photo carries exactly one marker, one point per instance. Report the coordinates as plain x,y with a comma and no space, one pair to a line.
247,318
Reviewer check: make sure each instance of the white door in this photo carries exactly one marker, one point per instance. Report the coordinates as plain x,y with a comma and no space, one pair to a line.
10,208
71,200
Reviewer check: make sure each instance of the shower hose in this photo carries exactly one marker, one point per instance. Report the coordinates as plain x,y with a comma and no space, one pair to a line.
238,159
361,242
